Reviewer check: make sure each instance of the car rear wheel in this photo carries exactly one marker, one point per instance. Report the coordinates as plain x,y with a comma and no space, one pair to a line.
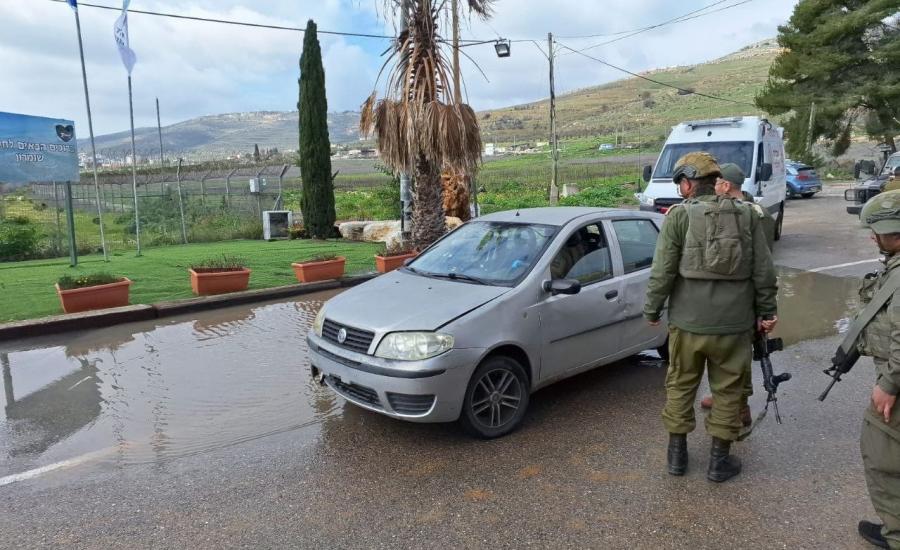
496,398
780,223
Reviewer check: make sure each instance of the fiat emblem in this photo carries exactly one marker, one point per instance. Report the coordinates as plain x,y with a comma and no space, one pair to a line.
342,336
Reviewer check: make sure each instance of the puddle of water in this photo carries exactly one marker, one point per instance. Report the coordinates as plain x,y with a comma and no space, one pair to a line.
814,305
155,392
152,392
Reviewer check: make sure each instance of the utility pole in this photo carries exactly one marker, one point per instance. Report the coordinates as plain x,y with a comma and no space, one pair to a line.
809,131
159,129
554,146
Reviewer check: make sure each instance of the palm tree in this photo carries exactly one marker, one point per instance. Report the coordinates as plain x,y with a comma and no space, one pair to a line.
419,127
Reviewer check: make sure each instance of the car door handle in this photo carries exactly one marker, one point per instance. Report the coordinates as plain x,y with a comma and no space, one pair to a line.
612,294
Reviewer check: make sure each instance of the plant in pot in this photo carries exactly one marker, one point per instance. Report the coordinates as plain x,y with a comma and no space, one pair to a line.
321,267
92,291
392,256
219,275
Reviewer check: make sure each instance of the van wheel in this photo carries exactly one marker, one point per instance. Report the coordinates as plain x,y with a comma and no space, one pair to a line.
496,398
780,224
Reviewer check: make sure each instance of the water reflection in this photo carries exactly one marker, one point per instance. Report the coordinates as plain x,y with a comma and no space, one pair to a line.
814,305
155,391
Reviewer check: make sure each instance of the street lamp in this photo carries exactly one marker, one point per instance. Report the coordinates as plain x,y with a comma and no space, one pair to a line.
502,47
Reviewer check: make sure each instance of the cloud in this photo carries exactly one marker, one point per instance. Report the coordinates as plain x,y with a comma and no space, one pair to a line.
203,68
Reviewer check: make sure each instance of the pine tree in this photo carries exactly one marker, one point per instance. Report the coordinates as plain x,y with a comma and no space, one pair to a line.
256,155
317,199
843,56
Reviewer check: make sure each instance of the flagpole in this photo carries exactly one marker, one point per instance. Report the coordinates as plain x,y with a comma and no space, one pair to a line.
137,217
87,101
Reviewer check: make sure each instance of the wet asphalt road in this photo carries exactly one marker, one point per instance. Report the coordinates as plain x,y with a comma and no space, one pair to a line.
207,432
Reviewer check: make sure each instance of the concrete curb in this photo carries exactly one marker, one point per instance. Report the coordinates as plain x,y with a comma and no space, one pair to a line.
107,317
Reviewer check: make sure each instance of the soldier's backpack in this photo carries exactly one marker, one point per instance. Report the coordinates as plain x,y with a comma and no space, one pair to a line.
718,242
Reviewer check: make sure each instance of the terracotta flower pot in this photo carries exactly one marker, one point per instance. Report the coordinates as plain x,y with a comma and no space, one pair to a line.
94,297
308,272
219,282
389,263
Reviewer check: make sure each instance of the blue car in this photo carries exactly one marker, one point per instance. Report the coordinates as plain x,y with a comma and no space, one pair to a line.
802,180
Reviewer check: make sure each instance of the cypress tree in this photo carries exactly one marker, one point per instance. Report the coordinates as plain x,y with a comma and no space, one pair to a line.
317,198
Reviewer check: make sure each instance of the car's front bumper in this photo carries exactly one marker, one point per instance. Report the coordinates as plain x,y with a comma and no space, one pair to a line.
400,389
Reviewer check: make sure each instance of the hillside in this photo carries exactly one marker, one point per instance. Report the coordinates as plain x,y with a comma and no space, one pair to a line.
225,134
638,106
642,110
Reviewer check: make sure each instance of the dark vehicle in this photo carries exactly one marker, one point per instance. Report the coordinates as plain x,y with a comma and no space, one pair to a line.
864,191
802,180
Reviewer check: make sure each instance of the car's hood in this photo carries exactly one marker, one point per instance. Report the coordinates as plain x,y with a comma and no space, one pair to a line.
401,301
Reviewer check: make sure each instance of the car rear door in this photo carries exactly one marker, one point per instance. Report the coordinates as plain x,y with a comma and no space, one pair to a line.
580,330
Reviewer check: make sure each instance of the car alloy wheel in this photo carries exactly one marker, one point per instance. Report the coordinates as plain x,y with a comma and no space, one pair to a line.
496,398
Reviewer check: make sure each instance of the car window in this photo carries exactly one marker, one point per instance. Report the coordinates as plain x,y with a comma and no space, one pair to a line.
499,253
584,257
637,241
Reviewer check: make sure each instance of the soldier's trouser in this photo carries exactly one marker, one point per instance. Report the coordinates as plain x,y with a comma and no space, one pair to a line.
748,382
880,445
726,357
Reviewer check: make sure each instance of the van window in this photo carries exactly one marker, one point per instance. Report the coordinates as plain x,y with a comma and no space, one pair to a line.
738,152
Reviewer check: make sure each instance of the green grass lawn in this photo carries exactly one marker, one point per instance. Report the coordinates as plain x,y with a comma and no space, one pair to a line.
26,288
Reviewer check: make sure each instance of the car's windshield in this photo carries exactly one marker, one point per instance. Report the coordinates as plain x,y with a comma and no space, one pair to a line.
738,152
496,253
892,164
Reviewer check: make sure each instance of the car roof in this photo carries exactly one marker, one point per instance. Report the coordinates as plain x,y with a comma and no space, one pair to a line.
560,215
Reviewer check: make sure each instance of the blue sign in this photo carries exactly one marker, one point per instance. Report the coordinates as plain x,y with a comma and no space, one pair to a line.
34,148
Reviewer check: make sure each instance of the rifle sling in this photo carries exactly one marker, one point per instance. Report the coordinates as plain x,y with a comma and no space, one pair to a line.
881,298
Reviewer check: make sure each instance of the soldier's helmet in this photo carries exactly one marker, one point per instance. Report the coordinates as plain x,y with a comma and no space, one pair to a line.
882,213
731,172
698,164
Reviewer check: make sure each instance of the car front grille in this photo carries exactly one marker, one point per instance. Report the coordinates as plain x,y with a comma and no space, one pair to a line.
354,392
410,404
358,340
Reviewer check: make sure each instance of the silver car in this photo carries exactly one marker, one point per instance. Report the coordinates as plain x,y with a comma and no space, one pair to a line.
503,305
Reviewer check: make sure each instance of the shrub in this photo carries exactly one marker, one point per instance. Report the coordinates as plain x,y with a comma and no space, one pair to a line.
223,263
297,231
67,282
19,239
394,249
323,257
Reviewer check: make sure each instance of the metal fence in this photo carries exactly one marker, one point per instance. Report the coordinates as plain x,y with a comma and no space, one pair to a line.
188,204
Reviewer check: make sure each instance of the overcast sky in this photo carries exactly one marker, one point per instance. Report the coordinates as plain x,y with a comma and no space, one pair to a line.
206,68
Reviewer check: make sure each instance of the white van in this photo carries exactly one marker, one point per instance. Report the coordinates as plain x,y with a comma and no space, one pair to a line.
751,142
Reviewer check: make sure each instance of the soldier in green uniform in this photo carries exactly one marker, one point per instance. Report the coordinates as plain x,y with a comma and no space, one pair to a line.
880,339
729,185
714,268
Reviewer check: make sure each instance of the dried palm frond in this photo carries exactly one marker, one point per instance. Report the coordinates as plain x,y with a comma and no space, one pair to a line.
482,8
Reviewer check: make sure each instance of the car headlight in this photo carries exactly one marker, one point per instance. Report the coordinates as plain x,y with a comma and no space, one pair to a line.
645,199
320,320
413,346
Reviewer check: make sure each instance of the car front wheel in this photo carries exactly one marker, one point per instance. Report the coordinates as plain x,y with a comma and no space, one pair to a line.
496,398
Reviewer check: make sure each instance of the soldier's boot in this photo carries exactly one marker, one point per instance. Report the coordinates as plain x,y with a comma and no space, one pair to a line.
746,415
677,454
872,533
722,465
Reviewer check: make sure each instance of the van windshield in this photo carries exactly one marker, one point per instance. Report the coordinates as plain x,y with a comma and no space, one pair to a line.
738,152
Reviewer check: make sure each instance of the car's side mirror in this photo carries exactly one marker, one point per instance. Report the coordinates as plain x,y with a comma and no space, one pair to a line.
765,172
562,286
648,172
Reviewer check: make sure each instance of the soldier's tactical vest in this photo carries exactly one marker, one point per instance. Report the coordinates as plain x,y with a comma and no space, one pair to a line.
719,243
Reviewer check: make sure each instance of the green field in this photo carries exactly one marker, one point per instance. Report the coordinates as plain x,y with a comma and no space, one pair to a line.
26,288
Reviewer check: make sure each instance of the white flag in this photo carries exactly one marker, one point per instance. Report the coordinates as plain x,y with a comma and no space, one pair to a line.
120,31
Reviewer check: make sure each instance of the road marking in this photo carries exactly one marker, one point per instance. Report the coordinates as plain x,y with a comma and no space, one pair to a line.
838,266
36,472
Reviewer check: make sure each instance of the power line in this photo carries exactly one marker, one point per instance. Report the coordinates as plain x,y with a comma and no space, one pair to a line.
642,29
228,21
685,90
686,17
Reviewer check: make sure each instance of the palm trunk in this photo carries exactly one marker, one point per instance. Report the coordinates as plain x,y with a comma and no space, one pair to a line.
428,215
